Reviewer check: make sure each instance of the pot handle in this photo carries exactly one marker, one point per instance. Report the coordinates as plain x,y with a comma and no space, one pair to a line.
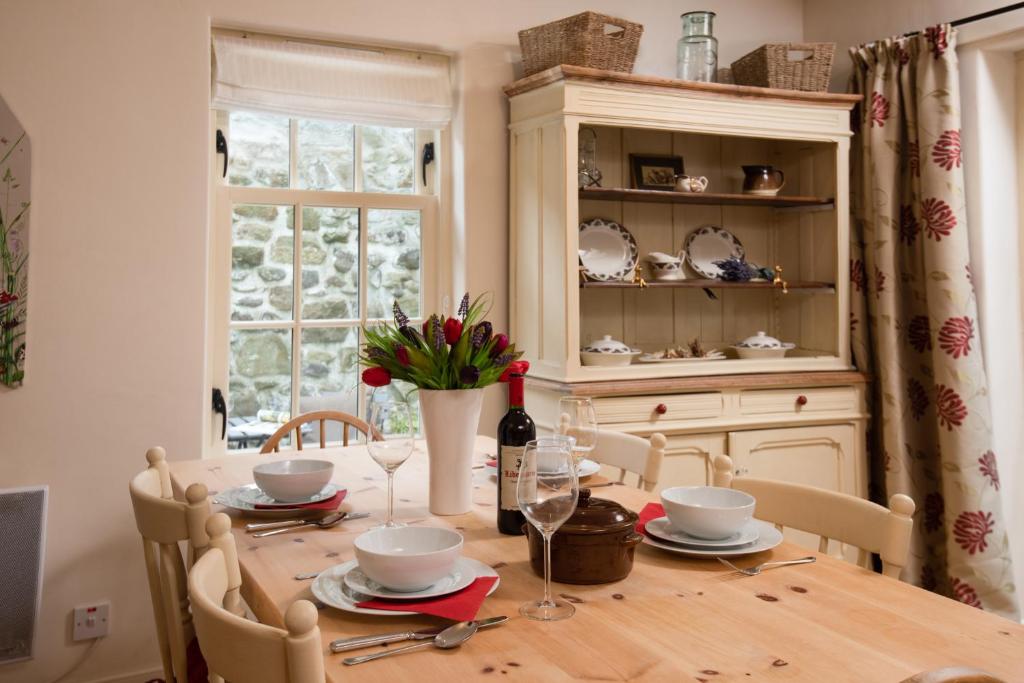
633,539
782,178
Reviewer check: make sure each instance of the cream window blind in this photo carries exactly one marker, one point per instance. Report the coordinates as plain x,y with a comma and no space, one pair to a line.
372,86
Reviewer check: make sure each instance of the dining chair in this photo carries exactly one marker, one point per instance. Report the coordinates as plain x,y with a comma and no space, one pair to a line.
629,453
235,648
870,527
273,444
163,523
954,674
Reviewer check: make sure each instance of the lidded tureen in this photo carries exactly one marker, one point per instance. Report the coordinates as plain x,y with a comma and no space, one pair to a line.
607,351
761,345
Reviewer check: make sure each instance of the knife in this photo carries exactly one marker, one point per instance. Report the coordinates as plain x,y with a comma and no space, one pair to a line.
346,644
298,522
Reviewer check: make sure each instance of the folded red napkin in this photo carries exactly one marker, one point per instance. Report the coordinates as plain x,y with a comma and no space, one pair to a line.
461,606
650,511
331,503
492,462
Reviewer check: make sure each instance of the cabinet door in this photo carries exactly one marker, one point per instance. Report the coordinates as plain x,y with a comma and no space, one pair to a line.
824,456
688,459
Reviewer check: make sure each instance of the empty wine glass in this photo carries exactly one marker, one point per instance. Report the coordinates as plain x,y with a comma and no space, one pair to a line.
578,419
393,423
548,489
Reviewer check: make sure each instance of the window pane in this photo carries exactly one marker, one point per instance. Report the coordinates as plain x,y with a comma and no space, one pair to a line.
258,149
326,155
330,263
389,159
393,262
262,245
330,375
260,373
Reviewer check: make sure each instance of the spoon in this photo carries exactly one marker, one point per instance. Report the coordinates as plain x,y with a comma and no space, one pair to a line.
324,523
451,637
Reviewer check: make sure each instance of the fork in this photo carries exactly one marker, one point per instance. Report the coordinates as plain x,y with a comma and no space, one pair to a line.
758,568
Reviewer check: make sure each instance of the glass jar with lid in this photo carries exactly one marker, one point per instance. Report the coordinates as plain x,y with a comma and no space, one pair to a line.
697,50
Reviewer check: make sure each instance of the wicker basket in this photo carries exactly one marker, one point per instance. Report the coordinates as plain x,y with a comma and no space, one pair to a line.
770,66
581,40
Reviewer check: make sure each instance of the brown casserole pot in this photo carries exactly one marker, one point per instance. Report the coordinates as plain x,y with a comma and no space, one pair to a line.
595,545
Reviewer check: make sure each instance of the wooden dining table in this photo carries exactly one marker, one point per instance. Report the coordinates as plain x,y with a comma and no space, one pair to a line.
672,619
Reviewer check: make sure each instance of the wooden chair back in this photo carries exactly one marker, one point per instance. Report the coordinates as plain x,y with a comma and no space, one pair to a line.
954,674
629,453
163,523
236,649
273,444
830,515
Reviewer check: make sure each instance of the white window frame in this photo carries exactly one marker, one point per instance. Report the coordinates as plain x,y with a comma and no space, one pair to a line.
427,199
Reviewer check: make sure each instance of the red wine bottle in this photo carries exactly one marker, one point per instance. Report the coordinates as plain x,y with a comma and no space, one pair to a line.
514,431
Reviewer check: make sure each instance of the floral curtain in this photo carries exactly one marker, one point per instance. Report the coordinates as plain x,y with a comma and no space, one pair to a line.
914,319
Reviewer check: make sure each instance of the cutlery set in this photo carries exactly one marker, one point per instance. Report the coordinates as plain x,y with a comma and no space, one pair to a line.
272,528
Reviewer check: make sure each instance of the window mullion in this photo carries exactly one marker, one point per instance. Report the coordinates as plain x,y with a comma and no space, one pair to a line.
296,308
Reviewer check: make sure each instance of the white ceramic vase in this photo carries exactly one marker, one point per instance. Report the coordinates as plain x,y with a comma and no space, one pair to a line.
450,420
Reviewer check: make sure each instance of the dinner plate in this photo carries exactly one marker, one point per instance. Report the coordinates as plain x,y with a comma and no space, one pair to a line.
767,538
708,244
608,251
587,468
462,574
249,496
663,529
329,588
713,354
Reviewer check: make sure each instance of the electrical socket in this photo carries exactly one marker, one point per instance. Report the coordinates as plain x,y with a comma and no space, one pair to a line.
91,621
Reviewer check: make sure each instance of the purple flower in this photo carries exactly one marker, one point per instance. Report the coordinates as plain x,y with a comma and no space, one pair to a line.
410,334
481,334
503,359
469,374
464,306
375,353
401,319
436,332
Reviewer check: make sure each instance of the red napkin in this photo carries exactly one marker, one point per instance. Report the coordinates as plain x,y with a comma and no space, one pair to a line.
331,503
493,462
650,511
461,606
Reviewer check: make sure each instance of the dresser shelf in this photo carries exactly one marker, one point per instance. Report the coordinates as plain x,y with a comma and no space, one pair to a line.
710,284
617,194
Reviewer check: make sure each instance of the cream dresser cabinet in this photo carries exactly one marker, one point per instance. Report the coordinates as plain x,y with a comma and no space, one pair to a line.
800,418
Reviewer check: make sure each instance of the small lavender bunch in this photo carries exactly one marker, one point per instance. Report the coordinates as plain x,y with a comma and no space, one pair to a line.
735,270
464,307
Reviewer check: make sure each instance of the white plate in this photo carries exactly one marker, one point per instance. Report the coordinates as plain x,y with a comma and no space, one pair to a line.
663,529
329,588
708,244
713,354
587,468
249,496
768,537
607,250
462,575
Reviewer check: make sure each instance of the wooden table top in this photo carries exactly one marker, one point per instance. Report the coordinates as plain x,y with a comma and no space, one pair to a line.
672,619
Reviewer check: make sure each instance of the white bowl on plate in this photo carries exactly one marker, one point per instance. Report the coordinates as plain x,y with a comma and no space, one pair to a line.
293,481
708,512
762,346
607,352
408,558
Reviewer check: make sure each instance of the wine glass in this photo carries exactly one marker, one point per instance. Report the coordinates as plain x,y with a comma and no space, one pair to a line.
548,489
392,421
578,419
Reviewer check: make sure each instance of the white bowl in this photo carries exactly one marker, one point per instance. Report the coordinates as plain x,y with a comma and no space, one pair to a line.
408,558
292,481
750,352
608,359
708,512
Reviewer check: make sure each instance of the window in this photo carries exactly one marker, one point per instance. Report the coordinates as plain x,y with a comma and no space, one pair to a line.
320,227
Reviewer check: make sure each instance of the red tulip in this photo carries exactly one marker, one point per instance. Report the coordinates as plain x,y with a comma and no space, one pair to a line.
376,377
402,354
500,344
425,324
519,367
452,331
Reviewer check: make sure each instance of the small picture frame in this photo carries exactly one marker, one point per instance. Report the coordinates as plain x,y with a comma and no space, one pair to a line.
655,171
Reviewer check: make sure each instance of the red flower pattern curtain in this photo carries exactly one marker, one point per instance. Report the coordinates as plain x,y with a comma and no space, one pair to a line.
914,319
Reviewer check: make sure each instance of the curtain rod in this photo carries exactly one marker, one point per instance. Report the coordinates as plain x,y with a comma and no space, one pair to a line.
978,17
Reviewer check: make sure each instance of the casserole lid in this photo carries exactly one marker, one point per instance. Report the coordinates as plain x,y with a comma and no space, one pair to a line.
598,516
606,345
760,341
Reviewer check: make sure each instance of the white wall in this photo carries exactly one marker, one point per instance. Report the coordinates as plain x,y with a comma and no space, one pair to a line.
114,94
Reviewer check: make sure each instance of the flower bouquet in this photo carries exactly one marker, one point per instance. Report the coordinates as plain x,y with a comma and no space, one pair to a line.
450,360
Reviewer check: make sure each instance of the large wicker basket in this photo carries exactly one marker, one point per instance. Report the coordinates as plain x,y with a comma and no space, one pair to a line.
770,66
581,40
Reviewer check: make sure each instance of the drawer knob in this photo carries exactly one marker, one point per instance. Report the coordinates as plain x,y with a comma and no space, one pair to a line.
661,409
801,400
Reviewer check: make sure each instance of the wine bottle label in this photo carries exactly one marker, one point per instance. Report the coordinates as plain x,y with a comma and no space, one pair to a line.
508,475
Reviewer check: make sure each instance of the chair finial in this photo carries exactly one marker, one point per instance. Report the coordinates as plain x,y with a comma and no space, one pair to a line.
902,505
218,524
300,617
196,493
155,455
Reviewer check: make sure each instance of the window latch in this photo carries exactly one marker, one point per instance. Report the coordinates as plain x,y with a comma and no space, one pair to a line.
428,156
221,408
222,148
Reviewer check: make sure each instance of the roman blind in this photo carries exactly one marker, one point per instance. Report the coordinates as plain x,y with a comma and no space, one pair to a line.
375,86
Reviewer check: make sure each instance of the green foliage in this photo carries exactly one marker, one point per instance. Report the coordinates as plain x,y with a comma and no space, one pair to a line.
424,358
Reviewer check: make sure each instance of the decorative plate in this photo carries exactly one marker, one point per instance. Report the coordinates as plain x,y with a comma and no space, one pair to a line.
662,529
329,588
462,574
708,244
608,251
767,538
248,497
713,354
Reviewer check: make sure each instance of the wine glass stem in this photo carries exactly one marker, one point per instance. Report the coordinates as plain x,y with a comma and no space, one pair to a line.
547,568
391,495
